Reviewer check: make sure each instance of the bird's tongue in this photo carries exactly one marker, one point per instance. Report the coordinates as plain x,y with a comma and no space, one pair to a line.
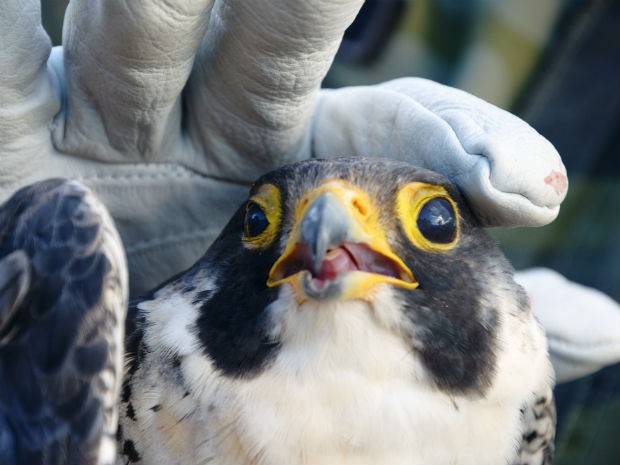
336,261
355,257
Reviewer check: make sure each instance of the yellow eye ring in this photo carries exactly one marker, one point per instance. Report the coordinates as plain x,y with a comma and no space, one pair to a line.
429,216
262,217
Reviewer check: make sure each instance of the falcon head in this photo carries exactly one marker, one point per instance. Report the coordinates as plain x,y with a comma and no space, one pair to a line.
355,246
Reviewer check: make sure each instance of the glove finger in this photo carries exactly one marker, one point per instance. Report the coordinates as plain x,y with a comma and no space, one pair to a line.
28,95
582,323
253,88
126,63
510,174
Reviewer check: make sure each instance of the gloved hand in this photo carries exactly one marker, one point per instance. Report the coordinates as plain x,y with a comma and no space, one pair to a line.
168,110
582,324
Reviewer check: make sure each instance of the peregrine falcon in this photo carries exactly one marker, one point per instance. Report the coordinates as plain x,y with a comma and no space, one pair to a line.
63,300
351,312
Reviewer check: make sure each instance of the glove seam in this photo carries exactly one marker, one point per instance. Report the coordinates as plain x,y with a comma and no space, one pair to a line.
144,247
581,361
177,171
566,343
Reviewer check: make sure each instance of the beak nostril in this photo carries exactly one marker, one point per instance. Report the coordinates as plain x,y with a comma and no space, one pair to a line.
360,207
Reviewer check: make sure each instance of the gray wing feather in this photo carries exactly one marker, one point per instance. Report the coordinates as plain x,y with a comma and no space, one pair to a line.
63,294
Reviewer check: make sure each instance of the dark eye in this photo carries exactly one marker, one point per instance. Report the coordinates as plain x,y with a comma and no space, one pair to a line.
437,221
255,220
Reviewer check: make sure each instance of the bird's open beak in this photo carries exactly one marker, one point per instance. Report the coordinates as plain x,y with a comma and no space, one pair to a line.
337,248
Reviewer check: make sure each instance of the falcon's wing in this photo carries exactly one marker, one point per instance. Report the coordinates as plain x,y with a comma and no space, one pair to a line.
63,295
538,419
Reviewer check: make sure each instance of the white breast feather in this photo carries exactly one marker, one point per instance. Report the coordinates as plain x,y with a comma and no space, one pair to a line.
345,389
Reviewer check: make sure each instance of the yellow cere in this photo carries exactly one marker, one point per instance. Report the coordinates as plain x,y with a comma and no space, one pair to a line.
411,198
269,200
360,206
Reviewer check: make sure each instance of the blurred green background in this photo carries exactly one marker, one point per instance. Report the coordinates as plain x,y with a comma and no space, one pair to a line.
556,64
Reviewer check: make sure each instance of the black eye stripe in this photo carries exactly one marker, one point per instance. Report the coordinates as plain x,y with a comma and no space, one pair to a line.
437,221
256,220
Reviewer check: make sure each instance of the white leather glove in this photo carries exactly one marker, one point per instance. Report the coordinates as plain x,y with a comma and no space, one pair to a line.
168,110
582,324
